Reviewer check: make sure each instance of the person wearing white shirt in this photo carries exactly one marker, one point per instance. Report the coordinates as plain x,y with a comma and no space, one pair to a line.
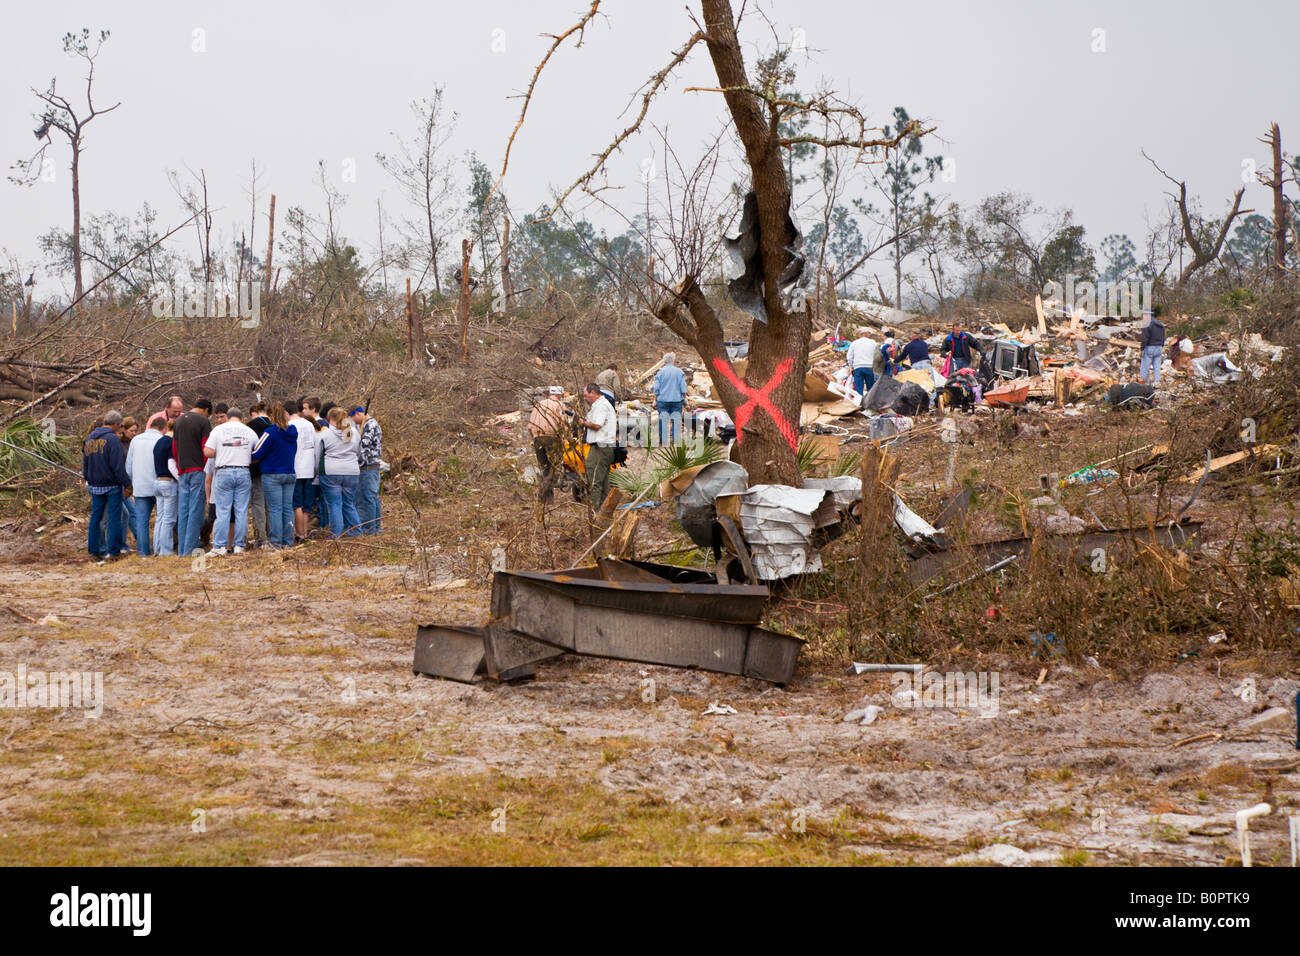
602,431
860,359
304,469
139,465
230,447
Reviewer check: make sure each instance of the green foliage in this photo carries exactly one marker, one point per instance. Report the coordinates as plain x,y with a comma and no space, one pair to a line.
29,435
1066,253
1237,298
666,461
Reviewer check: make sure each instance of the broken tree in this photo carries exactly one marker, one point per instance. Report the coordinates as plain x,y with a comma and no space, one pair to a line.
765,402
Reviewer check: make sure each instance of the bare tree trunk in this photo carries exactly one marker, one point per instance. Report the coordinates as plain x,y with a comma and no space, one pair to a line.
778,349
410,323
270,247
78,288
462,307
1274,139
507,285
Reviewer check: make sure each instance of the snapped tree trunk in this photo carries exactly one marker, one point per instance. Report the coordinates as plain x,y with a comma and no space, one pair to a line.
507,284
462,307
78,288
1274,140
772,396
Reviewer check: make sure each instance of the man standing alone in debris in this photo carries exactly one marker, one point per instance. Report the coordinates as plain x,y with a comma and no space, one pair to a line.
861,359
602,429
961,344
670,391
103,465
544,428
189,434
1153,348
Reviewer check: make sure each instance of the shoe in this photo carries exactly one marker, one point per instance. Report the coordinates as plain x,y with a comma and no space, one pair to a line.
238,550
217,553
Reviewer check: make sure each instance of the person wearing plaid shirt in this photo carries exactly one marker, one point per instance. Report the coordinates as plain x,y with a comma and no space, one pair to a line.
369,458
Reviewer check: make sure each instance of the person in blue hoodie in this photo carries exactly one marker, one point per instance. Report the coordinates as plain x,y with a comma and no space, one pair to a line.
276,450
103,465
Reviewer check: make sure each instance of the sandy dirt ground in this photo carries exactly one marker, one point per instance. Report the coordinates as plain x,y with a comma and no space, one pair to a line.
263,710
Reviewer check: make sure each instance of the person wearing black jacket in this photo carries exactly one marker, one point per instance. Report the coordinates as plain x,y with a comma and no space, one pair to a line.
103,465
259,423
1153,349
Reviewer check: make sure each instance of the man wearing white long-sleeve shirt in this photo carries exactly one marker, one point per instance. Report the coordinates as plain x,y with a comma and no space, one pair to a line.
139,465
860,358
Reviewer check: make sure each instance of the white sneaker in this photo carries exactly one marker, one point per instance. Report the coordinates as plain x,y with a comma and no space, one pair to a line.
217,553
238,550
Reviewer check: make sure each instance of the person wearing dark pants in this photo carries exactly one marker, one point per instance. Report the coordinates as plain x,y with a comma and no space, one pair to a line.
544,424
103,466
256,499
602,431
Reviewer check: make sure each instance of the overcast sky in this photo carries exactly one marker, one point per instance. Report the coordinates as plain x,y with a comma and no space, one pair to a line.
1027,96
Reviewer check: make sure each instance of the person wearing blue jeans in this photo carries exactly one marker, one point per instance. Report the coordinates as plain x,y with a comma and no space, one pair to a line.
106,508
369,460
340,494
860,357
340,444
368,499
276,451
230,446
165,526
1153,348
141,511
962,346
103,465
231,489
278,492
189,434
670,391
191,509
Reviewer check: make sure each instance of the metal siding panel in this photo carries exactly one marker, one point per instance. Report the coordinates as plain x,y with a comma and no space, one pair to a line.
452,652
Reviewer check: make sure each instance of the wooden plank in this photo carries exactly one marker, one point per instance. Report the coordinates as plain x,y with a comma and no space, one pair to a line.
1225,461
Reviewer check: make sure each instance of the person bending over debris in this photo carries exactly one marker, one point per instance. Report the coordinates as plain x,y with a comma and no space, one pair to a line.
602,430
230,446
1153,349
961,344
916,352
544,428
861,359
609,380
670,391
103,465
